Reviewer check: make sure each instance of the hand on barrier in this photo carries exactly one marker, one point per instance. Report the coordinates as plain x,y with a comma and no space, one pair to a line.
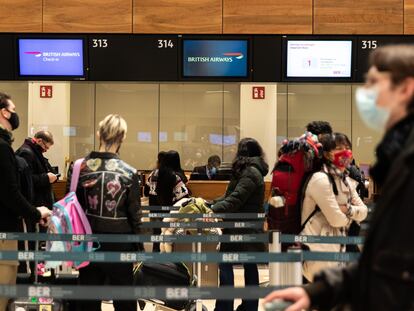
296,295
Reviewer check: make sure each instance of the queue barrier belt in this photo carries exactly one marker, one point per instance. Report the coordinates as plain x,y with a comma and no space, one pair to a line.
143,238
204,225
313,239
137,238
206,216
216,257
134,292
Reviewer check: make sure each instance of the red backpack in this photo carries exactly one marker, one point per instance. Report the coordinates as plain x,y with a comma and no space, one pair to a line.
295,160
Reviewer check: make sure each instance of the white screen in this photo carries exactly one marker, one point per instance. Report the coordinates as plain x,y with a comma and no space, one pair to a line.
329,59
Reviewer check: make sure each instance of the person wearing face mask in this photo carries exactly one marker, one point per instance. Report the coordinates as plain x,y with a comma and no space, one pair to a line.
32,151
13,205
383,278
209,171
329,201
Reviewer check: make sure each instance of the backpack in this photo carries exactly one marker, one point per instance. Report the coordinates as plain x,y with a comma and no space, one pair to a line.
296,159
68,217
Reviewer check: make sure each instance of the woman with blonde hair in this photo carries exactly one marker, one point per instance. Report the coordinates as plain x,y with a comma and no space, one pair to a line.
108,190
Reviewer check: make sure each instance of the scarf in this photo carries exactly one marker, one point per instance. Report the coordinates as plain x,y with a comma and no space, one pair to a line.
389,148
6,135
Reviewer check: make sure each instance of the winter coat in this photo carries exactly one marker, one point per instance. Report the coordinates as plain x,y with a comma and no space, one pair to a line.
383,278
244,194
329,220
13,204
42,188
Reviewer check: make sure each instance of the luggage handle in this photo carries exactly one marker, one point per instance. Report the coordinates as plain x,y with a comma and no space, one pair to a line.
36,262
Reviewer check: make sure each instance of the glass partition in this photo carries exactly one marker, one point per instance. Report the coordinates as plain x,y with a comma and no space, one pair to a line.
196,119
19,91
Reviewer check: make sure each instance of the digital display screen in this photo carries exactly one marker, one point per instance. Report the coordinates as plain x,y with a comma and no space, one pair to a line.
144,137
226,140
215,58
51,57
319,59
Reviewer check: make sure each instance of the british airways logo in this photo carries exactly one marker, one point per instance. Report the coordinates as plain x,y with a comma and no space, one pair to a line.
227,57
237,55
35,53
52,56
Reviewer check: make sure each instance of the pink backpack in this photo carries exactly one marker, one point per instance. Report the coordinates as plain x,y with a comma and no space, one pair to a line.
68,217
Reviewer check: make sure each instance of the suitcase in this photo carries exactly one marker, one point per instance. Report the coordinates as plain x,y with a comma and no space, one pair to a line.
35,304
164,274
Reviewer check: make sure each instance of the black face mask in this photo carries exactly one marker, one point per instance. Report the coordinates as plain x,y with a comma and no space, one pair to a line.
14,120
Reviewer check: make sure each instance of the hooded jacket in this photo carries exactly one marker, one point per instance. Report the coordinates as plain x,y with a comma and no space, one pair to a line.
244,194
12,202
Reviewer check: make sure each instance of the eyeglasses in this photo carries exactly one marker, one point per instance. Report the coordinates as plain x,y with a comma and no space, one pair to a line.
46,146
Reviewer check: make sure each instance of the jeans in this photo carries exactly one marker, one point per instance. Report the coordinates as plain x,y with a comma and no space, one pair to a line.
96,274
100,273
251,277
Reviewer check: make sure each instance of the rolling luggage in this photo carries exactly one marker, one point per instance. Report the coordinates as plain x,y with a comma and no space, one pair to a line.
164,274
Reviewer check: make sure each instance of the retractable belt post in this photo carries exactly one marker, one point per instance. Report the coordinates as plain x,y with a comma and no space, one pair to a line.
275,246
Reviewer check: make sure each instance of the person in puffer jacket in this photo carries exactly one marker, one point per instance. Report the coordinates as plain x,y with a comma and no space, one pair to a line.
244,194
108,190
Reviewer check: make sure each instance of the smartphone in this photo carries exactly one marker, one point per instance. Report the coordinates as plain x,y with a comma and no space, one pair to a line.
277,305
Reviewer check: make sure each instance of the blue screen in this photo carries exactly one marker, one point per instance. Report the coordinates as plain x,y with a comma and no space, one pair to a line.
226,140
215,58
51,57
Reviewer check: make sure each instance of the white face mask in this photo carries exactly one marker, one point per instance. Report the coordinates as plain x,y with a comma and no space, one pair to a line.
373,116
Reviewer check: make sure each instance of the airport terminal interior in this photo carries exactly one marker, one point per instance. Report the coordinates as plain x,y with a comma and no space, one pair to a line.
197,78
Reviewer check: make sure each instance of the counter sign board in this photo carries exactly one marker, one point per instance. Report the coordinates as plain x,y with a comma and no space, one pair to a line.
367,44
133,58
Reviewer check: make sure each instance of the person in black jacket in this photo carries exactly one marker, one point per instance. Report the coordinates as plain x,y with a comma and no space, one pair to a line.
383,278
13,204
207,172
245,194
32,151
41,177
109,192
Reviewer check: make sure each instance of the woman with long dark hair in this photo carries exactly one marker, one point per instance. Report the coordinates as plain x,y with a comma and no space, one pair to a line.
170,183
245,194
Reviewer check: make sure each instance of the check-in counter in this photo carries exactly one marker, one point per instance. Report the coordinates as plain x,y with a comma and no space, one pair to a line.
211,190
208,190
59,189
